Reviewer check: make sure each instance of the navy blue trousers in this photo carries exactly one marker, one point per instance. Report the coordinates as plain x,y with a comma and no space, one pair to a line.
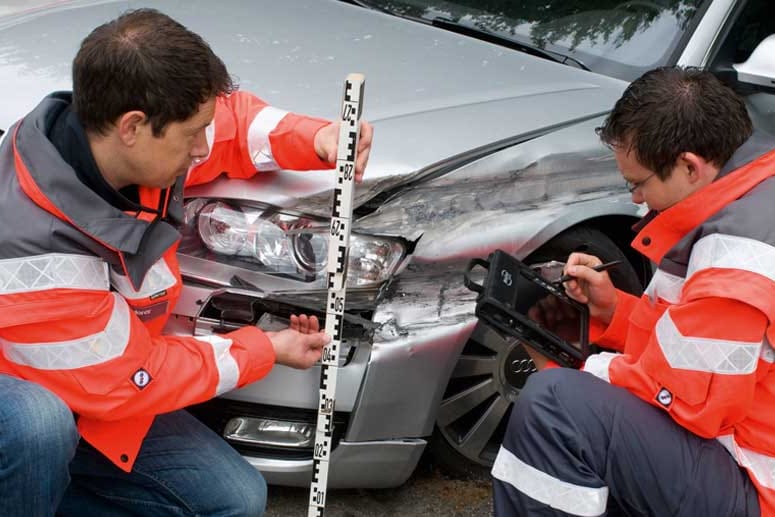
576,445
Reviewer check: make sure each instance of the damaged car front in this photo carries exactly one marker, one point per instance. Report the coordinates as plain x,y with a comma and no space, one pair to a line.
477,147
484,122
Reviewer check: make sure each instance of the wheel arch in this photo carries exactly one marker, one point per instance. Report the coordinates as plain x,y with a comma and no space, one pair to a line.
618,231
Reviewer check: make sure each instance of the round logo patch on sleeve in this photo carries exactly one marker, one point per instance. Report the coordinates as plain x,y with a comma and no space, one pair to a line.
141,378
664,397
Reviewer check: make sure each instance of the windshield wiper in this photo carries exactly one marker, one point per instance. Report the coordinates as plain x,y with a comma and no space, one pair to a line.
467,30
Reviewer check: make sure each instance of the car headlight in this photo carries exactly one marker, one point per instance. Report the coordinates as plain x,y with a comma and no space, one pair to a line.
264,239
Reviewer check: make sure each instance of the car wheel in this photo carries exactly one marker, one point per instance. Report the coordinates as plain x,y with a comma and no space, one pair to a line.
492,370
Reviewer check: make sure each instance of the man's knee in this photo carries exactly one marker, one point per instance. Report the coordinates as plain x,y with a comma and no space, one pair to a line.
547,396
248,496
39,425
243,491
544,387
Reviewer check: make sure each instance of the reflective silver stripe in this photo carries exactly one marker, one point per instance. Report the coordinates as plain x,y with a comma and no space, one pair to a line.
720,356
258,137
561,495
732,252
53,271
158,278
597,365
228,370
760,465
666,286
76,353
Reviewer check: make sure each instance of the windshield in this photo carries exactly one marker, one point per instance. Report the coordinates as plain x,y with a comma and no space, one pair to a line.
617,38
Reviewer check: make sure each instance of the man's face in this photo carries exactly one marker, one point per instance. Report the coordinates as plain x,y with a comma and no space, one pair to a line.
647,187
159,161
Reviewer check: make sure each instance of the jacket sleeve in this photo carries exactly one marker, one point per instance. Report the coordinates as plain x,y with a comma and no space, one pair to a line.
91,349
702,359
700,364
249,136
613,334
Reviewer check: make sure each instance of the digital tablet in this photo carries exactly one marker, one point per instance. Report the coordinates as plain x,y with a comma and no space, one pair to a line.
517,301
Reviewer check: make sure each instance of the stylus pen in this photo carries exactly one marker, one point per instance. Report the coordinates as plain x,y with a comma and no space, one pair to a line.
599,267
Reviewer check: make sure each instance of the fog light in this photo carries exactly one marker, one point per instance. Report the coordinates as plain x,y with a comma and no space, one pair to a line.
270,433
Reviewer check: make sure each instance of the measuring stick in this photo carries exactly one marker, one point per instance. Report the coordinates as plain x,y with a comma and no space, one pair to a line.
338,248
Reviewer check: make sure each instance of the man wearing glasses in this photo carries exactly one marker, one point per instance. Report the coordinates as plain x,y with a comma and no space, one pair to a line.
677,418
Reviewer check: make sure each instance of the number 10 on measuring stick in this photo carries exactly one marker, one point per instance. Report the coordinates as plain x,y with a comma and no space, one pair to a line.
338,250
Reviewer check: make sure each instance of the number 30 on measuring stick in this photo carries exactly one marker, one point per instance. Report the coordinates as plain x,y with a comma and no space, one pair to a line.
338,248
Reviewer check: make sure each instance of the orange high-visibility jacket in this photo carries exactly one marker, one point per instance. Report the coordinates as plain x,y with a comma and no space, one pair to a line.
85,289
698,342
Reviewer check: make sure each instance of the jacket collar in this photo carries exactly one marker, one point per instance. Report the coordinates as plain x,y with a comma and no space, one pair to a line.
752,163
52,184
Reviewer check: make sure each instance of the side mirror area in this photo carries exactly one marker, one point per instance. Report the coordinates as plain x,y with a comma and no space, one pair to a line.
759,69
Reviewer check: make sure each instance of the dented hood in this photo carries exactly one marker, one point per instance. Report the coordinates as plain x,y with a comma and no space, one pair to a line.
430,94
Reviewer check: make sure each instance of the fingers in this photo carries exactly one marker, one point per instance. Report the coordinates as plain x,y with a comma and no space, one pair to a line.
578,265
314,324
304,324
364,148
586,274
326,142
314,341
313,347
317,340
575,290
581,259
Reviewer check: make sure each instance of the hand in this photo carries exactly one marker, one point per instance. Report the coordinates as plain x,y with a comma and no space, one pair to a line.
327,145
301,344
591,287
539,360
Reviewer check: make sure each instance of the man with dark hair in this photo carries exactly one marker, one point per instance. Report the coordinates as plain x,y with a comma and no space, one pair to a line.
677,419
91,191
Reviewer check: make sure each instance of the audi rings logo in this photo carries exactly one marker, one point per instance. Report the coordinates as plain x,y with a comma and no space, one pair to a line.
522,366
506,277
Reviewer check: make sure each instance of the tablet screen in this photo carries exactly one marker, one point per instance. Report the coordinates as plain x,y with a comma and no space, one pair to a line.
547,309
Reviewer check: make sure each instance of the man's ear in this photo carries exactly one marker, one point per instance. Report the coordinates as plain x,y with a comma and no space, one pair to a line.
697,168
130,125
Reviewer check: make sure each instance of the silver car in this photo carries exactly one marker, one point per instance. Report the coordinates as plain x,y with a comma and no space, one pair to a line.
484,116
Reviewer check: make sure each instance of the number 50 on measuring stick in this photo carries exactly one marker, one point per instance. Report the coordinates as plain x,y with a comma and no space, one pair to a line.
338,251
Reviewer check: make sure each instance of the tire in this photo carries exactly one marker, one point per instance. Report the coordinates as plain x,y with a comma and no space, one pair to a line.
477,402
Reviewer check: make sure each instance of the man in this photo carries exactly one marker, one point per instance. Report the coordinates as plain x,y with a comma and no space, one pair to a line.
679,420
90,188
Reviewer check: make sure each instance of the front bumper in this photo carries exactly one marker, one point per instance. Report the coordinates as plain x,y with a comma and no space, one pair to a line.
379,464
388,389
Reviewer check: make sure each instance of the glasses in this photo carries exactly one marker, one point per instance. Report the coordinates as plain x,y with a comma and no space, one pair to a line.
632,186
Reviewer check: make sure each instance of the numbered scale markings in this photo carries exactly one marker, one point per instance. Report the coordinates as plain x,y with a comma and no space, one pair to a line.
341,218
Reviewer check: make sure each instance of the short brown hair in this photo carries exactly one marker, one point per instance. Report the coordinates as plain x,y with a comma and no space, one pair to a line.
144,60
671,110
